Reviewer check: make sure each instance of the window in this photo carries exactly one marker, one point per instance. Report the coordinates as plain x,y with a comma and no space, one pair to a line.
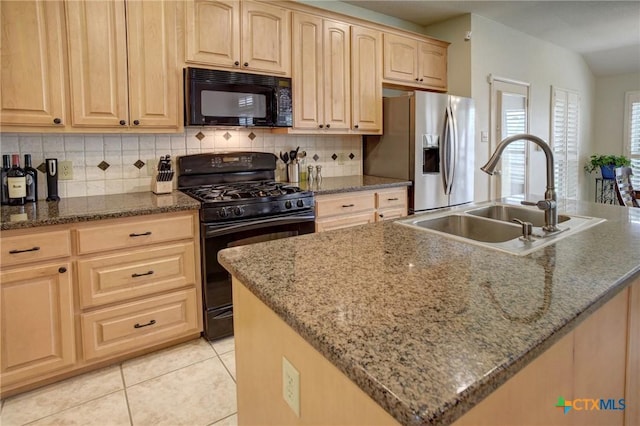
565,125
632,134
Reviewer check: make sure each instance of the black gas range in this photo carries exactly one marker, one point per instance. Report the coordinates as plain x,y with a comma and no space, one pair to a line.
241,204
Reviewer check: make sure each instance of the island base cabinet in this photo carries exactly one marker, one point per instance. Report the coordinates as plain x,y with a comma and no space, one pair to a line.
587,364
327,396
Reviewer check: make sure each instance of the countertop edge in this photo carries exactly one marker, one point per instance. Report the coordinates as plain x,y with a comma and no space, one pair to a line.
474,394
362,188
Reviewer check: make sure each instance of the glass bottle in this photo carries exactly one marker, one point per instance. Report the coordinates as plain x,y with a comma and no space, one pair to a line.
17,182
6,165
31,176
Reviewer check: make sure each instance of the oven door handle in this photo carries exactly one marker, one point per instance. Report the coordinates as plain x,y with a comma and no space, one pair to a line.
227,228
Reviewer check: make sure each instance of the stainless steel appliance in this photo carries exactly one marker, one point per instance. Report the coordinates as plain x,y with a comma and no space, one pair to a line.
241,204
428,139
227,98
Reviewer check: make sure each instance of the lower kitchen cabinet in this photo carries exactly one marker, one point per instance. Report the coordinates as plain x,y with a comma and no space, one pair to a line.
337,211
109,290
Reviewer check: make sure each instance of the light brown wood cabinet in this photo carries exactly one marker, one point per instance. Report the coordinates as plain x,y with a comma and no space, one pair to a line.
32,80
415,62
366,80
123,64
108,290
337,211
243,35
321,73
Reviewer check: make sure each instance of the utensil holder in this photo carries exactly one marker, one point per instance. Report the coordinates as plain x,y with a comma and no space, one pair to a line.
293,173
162,187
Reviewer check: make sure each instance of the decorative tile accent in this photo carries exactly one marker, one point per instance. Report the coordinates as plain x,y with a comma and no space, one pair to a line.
351,156
334,156
252,136
227,136
315,157
200,136
103,165
139,164
42,168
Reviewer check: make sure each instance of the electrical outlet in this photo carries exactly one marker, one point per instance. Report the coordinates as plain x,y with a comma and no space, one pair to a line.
291,386
342,157
152,165
65,170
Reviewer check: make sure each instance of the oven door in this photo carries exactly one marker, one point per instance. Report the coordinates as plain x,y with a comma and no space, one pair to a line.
218,309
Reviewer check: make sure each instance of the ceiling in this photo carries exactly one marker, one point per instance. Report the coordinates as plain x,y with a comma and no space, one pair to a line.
605,33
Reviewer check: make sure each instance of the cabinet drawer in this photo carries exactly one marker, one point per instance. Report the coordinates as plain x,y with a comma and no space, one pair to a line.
345,221
136,325
134,233
344,204
389,214
391,198
34,248
116,277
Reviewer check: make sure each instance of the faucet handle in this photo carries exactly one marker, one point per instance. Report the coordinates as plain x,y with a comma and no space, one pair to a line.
527,228
542,204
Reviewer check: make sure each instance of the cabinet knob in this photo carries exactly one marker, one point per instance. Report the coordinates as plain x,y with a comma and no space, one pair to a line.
122,122
355,126
136,122
417,79
422,79
57,121
236,63
381,215
321,126
246,64
328,125
62,269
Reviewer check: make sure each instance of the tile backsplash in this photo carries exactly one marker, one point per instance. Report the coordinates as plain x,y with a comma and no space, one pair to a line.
112,163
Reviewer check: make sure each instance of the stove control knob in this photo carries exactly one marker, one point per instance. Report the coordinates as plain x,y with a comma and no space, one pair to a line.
300,203
223,213
238,211
287,204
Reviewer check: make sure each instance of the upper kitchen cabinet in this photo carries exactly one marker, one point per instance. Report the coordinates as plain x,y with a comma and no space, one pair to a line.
414,62
366,80
321,73
32,82
123,66
244,35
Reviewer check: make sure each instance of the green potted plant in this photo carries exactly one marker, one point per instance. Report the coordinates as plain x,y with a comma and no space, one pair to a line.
607,164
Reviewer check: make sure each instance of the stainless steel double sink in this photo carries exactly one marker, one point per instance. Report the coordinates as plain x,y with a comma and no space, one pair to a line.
492,226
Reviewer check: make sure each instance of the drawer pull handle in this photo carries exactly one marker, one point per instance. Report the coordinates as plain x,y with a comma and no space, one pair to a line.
348,205
24,251
392,199
140,235
62,269
141,275
144,325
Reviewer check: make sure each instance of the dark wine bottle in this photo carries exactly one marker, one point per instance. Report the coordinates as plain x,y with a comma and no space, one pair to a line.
31,175
6,165
17,182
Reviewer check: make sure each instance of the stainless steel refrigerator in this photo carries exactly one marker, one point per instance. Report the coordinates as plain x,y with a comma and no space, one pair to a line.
428,139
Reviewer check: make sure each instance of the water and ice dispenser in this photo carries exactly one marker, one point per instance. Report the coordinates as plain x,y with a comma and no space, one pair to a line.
430,153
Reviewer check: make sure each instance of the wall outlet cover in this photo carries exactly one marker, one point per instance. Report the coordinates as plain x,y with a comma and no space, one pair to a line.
65,170
291,386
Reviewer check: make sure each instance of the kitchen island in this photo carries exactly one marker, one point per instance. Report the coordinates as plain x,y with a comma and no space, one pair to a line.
427,327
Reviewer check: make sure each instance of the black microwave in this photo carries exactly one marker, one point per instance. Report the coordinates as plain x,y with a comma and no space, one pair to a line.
226,98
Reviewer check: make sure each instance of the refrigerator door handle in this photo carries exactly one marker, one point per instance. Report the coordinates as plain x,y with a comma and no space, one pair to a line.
453,150
447,166
444,152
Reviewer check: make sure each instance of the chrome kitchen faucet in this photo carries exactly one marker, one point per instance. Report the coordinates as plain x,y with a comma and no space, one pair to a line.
549,204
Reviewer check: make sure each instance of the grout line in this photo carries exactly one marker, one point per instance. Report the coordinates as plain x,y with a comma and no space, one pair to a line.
224,418
126,395
227,368
169,372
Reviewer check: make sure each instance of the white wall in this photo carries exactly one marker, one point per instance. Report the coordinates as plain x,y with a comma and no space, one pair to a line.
505,52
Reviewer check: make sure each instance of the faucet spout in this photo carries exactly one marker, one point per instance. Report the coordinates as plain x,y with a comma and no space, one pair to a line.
549,204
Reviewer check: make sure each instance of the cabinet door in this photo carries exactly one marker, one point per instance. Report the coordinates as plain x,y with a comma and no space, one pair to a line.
400,56
345,221
307,71
97,63
337,75
213,32
154,98
433,65
32,88
366,83
266,38
36,321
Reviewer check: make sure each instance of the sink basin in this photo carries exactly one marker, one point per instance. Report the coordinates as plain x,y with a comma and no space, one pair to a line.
490,226
508,213
472,227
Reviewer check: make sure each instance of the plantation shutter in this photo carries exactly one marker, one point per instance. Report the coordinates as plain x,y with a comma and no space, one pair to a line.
632,130
565,126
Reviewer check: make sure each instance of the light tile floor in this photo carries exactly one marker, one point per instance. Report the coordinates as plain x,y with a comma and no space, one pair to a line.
189,384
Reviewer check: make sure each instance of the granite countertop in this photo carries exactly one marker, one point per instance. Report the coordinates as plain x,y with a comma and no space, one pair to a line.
429,326
83,209
339,184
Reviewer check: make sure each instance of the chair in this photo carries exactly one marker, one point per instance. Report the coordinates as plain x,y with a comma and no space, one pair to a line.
624,190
